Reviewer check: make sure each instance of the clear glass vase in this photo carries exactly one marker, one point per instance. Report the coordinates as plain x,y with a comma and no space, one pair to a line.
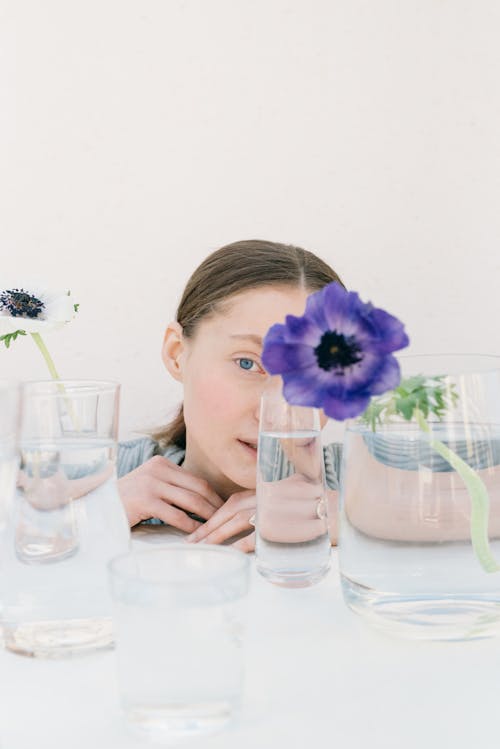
419,539
65,523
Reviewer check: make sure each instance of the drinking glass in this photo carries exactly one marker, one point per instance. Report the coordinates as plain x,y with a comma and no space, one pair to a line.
65,523
291,527
9,417
418,555
178,614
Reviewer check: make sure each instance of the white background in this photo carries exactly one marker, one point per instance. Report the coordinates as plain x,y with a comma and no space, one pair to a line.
139,135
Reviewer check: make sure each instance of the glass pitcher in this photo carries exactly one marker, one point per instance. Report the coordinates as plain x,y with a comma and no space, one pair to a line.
66,521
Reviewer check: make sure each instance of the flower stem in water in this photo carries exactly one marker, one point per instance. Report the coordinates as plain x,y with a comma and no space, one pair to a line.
478,493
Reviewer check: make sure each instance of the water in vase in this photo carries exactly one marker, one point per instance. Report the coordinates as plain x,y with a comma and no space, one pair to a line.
406,557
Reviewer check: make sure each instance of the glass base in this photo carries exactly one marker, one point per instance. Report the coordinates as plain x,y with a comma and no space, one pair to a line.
450,617
58,639
172,724
293,579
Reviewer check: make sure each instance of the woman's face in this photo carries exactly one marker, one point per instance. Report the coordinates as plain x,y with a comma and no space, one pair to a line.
223,380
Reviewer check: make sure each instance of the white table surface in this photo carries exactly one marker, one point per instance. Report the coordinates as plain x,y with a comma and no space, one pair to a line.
316,675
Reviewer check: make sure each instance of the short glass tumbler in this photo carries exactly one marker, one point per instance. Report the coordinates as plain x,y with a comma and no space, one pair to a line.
292,538
411,555
65,522
178,613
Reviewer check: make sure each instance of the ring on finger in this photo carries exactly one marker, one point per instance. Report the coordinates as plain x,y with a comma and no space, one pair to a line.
321,509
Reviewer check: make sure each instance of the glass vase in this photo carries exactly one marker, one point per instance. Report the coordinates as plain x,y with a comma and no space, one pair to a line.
65,523
419,537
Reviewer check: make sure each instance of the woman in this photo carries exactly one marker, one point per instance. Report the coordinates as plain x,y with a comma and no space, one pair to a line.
203,464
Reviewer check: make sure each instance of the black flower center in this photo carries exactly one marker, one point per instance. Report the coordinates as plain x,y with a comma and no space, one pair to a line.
337,351
21,304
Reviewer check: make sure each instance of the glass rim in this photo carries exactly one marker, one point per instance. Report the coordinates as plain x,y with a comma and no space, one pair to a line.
353,425
69,386
454,356
235,554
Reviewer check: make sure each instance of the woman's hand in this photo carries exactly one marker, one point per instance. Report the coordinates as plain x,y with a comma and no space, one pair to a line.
288,517
162,489
230,520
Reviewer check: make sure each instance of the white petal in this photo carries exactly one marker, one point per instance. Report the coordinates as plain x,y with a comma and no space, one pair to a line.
10,324
59,308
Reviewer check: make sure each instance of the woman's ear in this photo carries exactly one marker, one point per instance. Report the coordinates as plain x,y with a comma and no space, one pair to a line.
173,349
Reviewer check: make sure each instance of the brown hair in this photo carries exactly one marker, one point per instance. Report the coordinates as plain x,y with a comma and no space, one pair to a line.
238,267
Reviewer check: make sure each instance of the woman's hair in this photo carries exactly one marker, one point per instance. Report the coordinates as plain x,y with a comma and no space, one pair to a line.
235,268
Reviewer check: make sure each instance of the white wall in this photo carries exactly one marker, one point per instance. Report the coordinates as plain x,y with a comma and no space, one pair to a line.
150,132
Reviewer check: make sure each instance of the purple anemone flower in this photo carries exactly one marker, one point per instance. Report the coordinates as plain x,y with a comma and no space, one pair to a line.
337,355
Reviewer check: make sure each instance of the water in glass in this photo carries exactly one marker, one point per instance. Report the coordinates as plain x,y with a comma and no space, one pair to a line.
292,538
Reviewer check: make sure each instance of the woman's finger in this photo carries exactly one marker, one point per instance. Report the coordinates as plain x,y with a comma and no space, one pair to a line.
246,544
157,508
218,518
234,525
183,498
171,473
230,509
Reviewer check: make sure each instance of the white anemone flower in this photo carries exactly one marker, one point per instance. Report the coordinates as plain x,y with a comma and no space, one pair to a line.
34,310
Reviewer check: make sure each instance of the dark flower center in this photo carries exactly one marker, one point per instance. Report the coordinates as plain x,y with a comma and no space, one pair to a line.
21,304
337,351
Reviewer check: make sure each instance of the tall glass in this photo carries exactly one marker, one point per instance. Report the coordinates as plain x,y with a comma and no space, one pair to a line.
65,523
419,541
292,539
9,418
179,614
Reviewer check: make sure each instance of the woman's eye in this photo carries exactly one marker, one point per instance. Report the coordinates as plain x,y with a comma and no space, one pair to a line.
247,364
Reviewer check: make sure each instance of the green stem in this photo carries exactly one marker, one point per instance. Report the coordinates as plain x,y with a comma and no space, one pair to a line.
45,353
480,501
53,372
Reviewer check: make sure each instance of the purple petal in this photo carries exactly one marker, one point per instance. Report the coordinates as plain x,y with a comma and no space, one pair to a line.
388,376
341,308
306,388
389,332
315,309
302,330
348,408
279,358
276,333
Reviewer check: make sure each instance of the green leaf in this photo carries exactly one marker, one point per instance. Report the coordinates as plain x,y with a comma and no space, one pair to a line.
405,406
75,307
9,337
431,395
